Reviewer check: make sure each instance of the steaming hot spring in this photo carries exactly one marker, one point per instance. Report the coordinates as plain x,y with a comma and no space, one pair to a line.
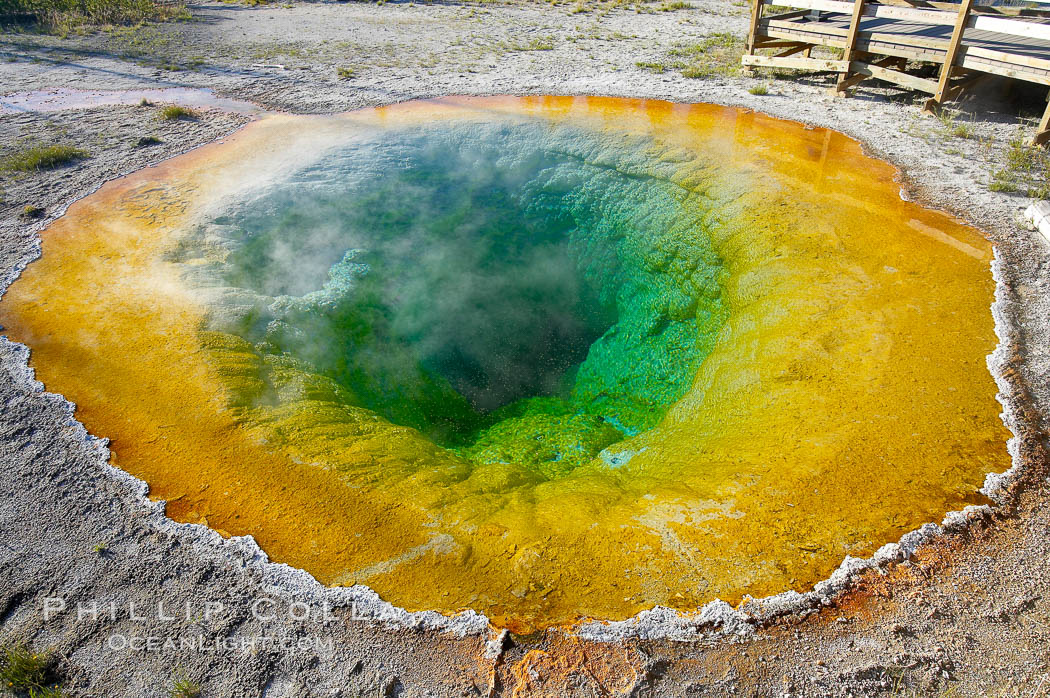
544,358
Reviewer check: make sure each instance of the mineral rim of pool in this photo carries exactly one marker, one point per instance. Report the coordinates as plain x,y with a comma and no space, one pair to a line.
545,358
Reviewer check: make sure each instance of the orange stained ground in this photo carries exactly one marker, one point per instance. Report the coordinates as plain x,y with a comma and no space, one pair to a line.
846,402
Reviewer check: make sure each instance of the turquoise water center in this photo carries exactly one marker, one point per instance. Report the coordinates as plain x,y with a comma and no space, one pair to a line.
499,287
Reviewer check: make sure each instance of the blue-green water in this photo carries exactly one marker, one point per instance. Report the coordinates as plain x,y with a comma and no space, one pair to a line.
515,291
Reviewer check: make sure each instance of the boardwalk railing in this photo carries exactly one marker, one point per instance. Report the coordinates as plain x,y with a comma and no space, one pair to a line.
878,39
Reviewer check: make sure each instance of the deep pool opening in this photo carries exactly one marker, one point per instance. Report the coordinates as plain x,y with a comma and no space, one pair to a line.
486,285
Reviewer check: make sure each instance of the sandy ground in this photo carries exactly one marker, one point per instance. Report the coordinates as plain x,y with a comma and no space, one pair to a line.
969,614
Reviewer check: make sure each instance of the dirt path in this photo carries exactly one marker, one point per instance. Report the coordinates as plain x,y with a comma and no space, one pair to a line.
969,615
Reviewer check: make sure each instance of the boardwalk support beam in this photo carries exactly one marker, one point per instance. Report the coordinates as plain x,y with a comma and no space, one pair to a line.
1042,134
756,14
933,105
849,53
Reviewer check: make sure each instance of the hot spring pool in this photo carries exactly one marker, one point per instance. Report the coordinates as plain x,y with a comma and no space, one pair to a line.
545,358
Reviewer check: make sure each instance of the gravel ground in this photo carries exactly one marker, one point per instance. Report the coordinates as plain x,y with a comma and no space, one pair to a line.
968,614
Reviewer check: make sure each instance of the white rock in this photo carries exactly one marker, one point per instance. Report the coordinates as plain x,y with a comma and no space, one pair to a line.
1038,214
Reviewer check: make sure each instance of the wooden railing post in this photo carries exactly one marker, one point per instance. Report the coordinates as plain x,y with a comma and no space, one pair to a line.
756,14
849,53
934,103
1042,133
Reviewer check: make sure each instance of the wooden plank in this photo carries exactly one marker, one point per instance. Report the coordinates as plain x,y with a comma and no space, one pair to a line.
1034,13
837,6
856,77
756,14
1012,27
981,9
1042,134
895,76
1003,57
1006,71
849,52
798,48
909,52
997,24
795,63
908,40
779,44
854,29
788,15
815,39
813,27
912,15
951,54
978,9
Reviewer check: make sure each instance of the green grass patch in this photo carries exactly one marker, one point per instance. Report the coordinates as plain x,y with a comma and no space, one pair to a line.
953,127
759,90
1002,184
148,44
717,55
42,157
62,16
652,67
184,687
174,112
345,73
1026,170
544,44
27,673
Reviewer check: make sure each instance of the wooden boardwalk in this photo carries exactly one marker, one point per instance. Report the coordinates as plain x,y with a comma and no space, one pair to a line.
885,39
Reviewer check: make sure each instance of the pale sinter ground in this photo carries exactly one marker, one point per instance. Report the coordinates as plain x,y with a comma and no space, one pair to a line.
970,616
